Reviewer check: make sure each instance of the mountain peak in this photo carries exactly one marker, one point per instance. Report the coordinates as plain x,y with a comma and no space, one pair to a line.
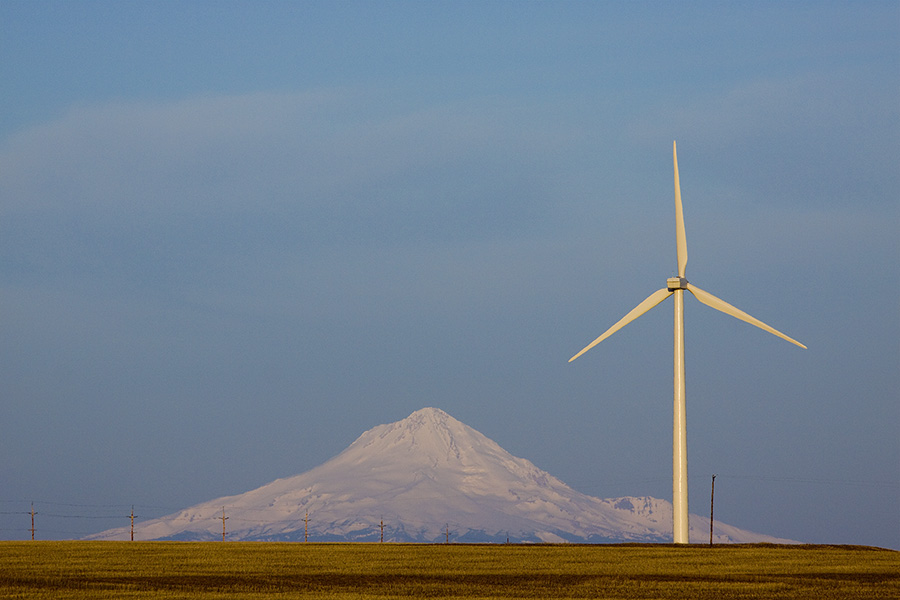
427,439
428,422
429,413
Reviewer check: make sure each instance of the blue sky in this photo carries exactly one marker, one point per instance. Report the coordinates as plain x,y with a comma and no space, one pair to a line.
233,236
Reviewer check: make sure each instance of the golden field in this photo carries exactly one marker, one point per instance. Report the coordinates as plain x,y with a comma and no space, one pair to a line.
207,570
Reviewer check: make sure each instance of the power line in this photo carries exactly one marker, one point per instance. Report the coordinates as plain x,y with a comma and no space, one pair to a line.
885,483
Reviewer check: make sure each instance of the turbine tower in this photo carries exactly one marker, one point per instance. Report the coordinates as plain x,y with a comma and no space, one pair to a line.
676,286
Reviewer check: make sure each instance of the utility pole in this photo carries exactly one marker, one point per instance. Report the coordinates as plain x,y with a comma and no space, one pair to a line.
448,533
382,531
306,527
132,522
223,523
712,498
32,521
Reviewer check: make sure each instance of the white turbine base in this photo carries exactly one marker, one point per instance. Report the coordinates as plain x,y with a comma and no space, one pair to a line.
680,528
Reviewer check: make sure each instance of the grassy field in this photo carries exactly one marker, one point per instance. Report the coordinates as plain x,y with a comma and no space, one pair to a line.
207,570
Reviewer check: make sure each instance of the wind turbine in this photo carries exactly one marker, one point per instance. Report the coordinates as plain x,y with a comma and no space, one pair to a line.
676,286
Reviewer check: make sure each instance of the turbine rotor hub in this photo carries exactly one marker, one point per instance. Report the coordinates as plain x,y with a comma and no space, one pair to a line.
676,283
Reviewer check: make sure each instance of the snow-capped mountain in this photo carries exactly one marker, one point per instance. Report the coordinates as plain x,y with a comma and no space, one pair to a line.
417,479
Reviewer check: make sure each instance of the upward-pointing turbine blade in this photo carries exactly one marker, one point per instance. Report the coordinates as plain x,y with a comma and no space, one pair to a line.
680,238
651,301
719,304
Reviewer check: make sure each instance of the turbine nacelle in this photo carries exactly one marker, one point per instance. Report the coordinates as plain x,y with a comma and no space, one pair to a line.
676,283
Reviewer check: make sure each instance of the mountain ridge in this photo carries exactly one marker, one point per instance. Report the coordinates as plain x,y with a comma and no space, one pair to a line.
417,479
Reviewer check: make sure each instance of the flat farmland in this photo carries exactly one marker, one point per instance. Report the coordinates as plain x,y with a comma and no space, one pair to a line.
76,570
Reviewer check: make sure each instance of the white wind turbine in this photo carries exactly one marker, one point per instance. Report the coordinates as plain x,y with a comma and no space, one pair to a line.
676,286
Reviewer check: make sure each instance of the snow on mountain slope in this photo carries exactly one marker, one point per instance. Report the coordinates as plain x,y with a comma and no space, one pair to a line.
420,477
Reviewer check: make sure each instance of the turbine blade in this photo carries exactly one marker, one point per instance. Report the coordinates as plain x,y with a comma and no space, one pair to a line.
680,238
651,301
720,305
